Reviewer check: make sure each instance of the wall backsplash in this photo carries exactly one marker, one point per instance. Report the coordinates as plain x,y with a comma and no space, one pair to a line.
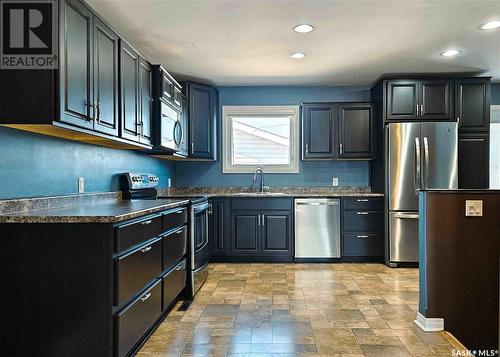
312,173
37,165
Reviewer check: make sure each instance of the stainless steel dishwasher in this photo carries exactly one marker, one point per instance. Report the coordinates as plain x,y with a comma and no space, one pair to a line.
317,228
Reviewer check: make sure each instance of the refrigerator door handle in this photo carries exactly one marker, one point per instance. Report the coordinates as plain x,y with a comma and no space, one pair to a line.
426,161
416,177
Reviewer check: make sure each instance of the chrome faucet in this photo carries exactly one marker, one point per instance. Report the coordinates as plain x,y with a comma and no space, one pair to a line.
261,171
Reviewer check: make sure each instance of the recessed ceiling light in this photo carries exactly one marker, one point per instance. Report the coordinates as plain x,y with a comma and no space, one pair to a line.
297,55
491,25
450,53
304,28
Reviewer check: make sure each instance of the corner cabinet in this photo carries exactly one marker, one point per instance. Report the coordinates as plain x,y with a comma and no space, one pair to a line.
201,113
338,131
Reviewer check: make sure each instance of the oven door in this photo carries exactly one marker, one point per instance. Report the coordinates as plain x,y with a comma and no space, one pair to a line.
200,247
171,132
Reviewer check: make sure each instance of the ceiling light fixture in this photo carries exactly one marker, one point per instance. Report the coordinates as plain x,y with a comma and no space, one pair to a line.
303,28
491,25
450,53
297,55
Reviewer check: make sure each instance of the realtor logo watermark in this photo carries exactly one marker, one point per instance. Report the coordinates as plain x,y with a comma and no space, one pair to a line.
29,34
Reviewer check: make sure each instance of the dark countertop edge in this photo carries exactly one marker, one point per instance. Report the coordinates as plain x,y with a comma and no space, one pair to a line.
20,218
277,195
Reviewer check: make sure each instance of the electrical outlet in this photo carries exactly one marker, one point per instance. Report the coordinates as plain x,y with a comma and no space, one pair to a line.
81,185
473,208
169,182
335,181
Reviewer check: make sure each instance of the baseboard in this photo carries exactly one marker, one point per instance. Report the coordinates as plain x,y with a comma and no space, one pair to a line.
429,324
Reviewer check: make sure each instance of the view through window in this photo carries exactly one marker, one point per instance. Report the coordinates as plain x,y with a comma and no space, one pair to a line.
495,147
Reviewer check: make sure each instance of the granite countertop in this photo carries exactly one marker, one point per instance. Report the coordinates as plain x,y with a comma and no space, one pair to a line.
96,212
273,192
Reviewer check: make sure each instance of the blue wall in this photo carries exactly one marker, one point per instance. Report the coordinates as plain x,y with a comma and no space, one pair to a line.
355,173
37,165
495,94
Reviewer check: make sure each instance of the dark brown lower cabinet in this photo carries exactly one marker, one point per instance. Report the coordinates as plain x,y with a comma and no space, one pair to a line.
136,319
473,161
89,289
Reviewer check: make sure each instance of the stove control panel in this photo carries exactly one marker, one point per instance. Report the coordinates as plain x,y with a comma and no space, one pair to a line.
137,180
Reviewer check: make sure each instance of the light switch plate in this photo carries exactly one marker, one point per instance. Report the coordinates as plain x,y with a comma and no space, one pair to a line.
473,208
335,181
81,185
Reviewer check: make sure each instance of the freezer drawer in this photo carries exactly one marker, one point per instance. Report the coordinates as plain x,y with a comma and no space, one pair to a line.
317,228
403,233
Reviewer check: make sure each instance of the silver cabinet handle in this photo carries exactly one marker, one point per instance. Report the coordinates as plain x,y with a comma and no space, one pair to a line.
416,178
147,249
192,147
341,149
421,109
90,105
417,109
362,213
263,221
307,148
362,200
426,161
145,223
406,216
179,212
180,230
362,236
145,297
179,267
259,220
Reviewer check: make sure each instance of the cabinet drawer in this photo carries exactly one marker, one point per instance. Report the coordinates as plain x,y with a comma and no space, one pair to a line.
364,221
133,322
132,233
364,203
175,218
363,245
174,246
173,283
262,203
133,271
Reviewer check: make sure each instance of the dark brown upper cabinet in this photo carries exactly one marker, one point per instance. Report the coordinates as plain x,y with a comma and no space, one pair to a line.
77,96
473,161
356,132
136,95
82,99
319,131
419,100
436,97
106,45
201,115
472,104
402,100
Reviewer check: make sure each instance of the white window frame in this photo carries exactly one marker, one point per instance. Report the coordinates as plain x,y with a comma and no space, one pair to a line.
229,111
493,108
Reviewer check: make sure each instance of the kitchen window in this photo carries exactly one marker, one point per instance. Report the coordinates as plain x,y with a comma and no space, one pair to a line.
260,136
495,146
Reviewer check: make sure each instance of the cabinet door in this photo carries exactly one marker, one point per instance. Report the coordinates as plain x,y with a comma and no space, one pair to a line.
129,64
76,65
277,232
146,99
402,100
105,78
472,104
246,233
356,132
202,106
473,161
217,222
318,132
436,100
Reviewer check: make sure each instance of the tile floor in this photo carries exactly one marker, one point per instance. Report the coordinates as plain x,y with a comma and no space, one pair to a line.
261,310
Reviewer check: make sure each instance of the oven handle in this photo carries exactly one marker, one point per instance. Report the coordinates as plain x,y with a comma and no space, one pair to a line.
200,207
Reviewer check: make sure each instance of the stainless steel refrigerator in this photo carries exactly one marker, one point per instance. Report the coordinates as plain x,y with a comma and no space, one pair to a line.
418,156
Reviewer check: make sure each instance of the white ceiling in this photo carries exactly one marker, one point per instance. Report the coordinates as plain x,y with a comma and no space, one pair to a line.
248,42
